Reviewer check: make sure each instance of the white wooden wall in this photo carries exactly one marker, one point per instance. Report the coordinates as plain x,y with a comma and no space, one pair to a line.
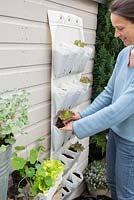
25,57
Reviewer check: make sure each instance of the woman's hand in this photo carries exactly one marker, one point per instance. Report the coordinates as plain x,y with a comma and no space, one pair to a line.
69,123
67,127
75,116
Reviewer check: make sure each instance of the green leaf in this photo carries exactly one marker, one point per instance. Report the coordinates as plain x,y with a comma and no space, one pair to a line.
19,148
33,156
48,181
20,190
41,148
40,139
30,172
18,163
10,141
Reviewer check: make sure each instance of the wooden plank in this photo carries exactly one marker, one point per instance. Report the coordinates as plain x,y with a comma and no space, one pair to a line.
36,10
20,31
41,129
39,93
82,5
39,112
24,77
22,55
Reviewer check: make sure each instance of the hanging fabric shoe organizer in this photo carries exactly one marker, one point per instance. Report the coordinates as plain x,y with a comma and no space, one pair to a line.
69,57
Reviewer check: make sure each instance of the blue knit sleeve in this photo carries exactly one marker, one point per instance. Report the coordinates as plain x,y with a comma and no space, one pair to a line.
103,99
109,116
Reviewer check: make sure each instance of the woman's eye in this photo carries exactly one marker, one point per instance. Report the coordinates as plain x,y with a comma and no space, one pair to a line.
120,29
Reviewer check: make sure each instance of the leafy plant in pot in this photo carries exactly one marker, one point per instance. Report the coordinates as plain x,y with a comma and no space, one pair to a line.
75,149
85,79
36,177
95,177
13,117
63,116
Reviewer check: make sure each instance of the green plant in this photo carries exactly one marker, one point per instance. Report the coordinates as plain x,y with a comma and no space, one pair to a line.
85,79
39,176
13,116
95,174
63,116
46,176
79,43
97,146
78,147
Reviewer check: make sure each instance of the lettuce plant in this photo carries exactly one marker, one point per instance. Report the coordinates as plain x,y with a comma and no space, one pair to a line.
77,147
63,116
39,176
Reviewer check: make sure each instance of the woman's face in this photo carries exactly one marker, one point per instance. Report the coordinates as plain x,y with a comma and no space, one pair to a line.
124,29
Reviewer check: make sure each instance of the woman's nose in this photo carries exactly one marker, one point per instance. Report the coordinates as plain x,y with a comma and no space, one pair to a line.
117,34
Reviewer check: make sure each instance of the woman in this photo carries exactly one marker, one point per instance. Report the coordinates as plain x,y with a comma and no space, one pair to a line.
114,108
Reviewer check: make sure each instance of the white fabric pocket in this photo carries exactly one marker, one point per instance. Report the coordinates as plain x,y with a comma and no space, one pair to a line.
57,138
69,59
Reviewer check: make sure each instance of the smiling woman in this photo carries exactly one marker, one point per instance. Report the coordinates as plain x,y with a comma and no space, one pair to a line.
114,109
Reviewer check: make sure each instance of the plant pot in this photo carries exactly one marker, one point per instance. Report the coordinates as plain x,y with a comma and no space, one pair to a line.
76,178
65,191
49,195
57,138
4,172
70,152
67,160
96,191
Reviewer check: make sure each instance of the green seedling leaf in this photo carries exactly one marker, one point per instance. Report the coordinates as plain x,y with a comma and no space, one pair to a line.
20,190
18,163
30,172
79,43
65,114
41,148
20,148
40,139
10,141
85,79
33,156
48,181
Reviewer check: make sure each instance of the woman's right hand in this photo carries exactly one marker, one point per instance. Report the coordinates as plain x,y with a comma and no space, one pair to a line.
75,116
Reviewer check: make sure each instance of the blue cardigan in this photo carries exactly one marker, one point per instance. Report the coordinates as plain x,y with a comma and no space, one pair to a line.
114,107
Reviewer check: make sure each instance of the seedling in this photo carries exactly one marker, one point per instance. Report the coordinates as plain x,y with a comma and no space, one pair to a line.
77,147
63,116
79,43
85,79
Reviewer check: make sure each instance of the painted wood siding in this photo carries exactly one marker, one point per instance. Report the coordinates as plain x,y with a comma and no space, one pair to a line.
25,57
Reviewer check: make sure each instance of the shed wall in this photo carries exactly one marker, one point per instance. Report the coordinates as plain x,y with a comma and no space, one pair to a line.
25,58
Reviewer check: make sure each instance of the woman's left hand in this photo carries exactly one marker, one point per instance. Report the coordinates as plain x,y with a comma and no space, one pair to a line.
67,127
